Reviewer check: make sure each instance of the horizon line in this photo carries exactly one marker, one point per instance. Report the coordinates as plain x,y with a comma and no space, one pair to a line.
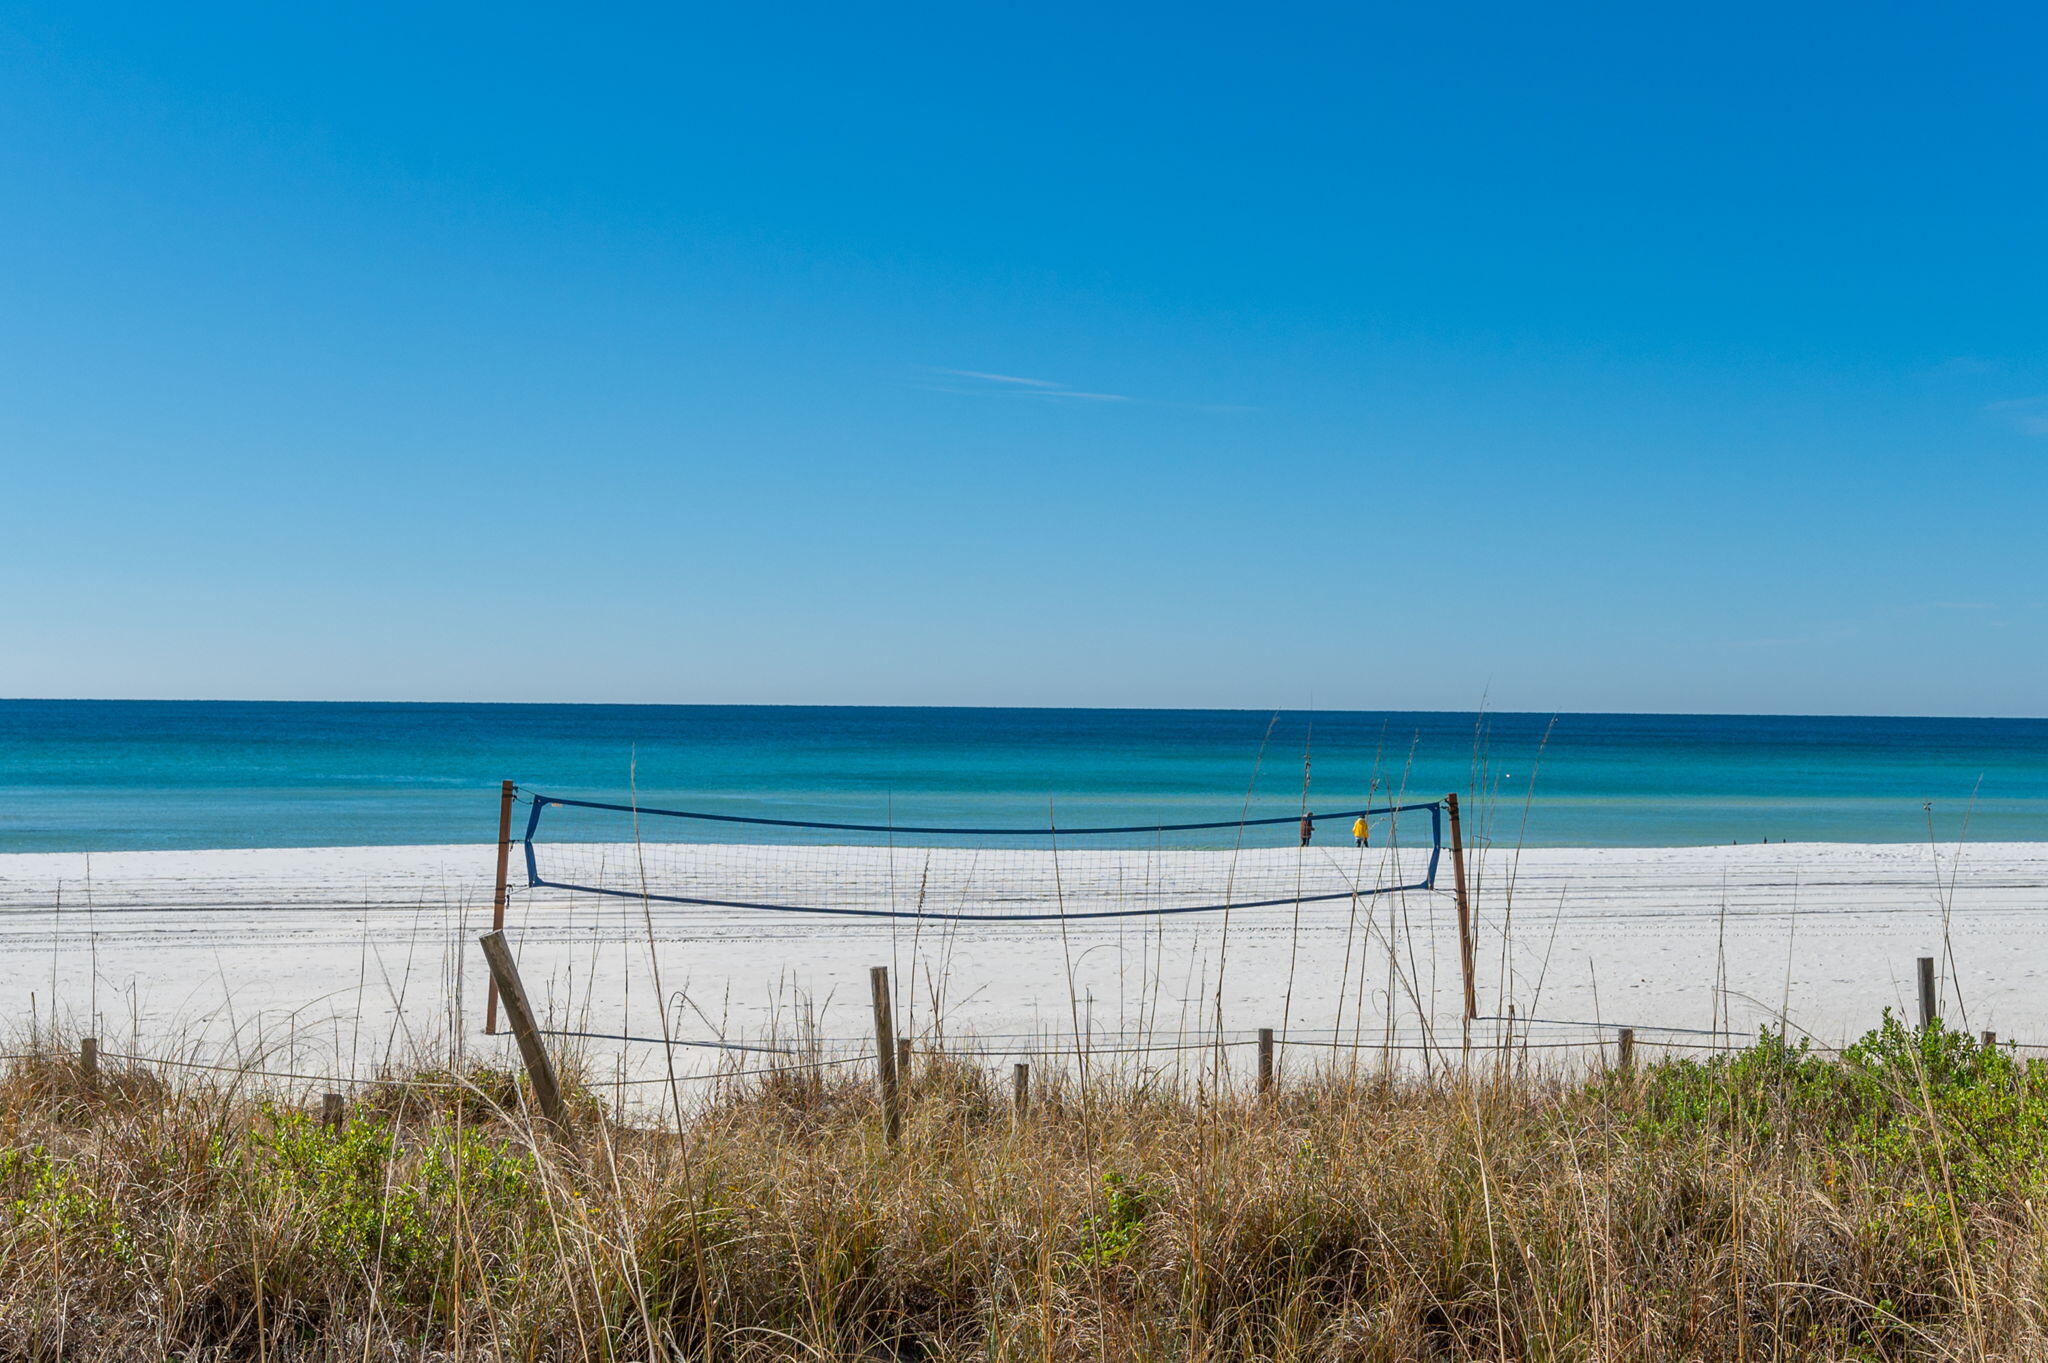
1124,709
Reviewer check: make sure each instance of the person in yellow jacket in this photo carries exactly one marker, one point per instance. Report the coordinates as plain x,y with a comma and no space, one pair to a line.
1359,833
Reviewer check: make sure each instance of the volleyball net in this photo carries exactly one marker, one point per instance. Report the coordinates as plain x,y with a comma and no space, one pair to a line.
980,874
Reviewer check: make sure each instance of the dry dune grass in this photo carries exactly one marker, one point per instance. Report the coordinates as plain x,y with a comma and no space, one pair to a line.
1884,1204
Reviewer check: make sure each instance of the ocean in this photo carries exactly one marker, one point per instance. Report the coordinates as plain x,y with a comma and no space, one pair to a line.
133,775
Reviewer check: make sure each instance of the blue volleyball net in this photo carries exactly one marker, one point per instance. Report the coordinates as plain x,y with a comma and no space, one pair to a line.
1033,874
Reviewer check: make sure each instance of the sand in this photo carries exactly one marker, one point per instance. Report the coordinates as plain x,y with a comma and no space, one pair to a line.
332,960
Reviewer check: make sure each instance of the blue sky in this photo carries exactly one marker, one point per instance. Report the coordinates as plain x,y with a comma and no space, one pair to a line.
1378,356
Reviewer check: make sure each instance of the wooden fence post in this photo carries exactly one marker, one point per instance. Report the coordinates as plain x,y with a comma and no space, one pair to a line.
903,1061
89,1058
1625,1049
1265,1061
1929,1010
330,1111
1989,1038
498,899
547,1091
1466,950
1020,1088
885,1051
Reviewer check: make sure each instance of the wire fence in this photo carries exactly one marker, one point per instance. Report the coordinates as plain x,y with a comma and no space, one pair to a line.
1048,1046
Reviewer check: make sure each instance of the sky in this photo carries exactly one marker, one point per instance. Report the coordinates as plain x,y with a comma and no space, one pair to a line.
1379,356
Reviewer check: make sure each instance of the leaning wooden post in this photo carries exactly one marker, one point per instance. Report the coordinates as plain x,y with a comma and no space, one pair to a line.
89,1058
1928,1009
1020,1088
1265,1061
498,899
1625,1049
1466,950
885,1051
330,1111
547,1091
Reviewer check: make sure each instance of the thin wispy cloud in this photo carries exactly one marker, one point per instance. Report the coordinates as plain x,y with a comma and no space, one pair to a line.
1000,378
2029,414
988,383
981,381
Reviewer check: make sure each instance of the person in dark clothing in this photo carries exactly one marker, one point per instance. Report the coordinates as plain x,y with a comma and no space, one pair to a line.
1308,828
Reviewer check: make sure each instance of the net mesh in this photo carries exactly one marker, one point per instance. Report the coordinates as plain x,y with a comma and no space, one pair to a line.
979,874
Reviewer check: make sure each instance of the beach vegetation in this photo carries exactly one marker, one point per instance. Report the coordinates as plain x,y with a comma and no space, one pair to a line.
1769,1200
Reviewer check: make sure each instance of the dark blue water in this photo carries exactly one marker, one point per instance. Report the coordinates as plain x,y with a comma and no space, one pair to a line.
106,775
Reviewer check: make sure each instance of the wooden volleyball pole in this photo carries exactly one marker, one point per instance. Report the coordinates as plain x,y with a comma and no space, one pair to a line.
1466,951
498,899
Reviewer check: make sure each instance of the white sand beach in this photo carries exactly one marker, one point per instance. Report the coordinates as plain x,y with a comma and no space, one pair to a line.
354,953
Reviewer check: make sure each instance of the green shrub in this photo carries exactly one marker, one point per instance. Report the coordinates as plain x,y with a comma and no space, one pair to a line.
1932,1106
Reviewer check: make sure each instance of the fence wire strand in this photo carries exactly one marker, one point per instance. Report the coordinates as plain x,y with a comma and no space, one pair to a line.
969,1049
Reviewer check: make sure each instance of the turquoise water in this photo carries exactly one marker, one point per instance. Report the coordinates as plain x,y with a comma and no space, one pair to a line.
111,775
